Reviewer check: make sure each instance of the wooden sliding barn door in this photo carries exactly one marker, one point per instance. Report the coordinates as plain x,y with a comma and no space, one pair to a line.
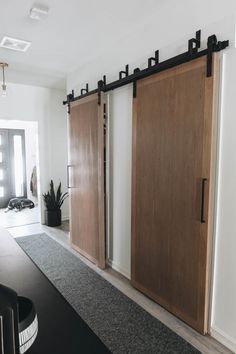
86,178
172,189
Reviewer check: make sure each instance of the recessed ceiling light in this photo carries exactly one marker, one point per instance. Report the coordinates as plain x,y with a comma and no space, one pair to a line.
38,12
15,44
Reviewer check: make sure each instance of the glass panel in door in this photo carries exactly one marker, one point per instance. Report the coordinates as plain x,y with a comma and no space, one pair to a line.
18,166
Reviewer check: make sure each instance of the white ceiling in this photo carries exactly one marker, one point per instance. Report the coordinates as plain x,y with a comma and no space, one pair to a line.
74,32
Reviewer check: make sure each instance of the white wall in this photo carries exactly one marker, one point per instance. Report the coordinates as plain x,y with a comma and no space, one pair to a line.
120,137
42,105
58,144
224,290
32,154
169,31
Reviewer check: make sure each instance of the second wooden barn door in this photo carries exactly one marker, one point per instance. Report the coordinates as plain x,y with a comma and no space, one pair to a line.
86,178
172,199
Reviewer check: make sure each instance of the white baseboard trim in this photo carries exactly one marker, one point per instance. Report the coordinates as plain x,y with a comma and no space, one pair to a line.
119,269
223,338
65,218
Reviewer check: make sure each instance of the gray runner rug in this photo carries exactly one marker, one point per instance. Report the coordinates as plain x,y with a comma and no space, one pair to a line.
119,322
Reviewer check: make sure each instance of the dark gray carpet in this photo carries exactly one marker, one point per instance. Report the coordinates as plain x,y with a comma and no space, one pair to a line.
121,324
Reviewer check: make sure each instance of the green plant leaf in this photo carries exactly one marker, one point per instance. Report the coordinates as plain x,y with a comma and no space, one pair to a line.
54,201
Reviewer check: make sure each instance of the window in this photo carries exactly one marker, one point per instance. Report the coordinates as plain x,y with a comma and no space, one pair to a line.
1,192
18,166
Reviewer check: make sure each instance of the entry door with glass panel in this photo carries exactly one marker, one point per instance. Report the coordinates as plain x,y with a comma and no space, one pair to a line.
12,165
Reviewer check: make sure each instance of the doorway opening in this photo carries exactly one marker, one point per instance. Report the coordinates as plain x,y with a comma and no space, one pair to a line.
19,171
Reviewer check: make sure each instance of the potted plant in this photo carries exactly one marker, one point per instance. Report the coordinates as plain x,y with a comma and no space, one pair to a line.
53,202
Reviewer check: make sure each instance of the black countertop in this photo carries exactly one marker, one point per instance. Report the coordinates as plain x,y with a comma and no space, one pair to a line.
61,329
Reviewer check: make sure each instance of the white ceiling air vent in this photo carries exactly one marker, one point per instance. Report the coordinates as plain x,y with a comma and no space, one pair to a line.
15,44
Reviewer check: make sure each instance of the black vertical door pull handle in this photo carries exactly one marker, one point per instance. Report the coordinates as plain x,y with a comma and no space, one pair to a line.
203,200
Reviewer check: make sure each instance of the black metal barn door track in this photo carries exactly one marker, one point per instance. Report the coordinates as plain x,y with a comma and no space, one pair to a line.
154,66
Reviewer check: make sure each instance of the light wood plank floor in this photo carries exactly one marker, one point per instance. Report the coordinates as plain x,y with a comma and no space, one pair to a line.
205,344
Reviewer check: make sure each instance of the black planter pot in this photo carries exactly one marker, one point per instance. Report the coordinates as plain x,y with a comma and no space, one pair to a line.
53,217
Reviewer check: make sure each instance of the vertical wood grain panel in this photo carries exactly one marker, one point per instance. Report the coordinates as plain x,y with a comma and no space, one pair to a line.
172,152
86,136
